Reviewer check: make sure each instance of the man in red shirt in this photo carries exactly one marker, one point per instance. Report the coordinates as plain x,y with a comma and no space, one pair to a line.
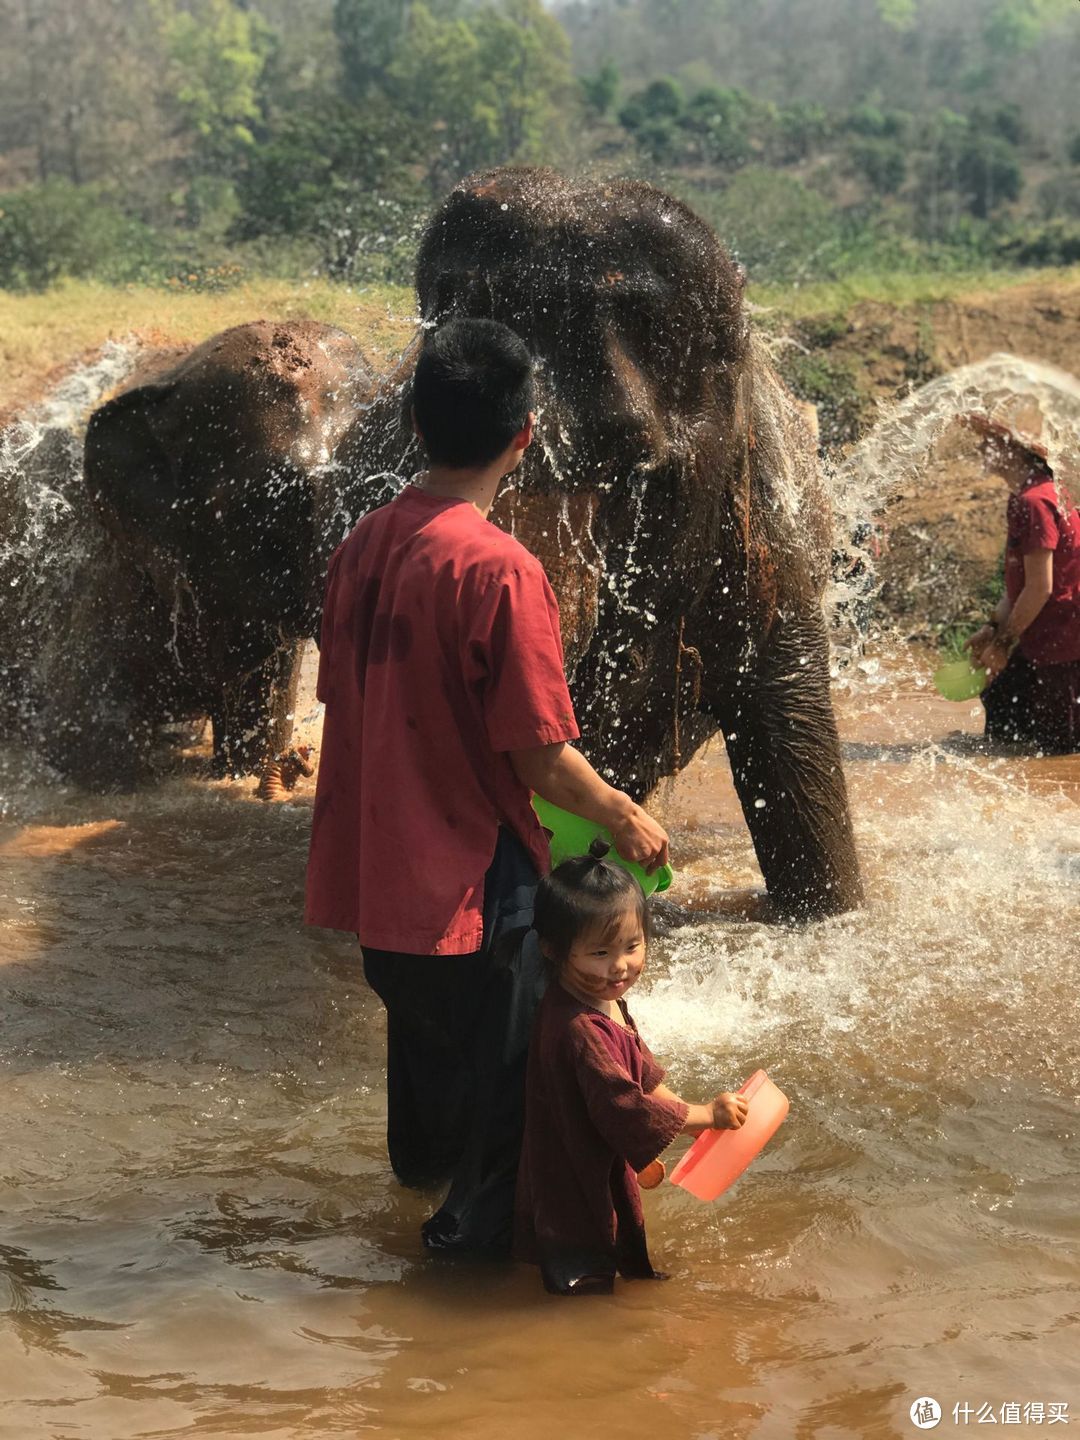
441,669
1031,645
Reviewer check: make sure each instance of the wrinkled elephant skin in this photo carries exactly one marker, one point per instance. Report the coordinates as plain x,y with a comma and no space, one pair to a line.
206,476
673,495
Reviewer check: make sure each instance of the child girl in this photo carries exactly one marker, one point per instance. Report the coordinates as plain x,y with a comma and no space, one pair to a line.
595,1110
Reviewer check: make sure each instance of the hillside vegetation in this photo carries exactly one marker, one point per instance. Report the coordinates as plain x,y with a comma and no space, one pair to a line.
196,143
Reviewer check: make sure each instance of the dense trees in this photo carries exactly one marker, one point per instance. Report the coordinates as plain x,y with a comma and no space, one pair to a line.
168,136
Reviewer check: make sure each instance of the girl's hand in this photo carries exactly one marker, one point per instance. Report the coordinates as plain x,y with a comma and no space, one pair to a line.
729,1111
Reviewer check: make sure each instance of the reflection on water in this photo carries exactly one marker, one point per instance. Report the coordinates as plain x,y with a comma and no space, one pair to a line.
201,1234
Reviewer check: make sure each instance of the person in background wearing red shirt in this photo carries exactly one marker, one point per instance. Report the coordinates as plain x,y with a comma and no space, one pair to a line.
441,669
1030,647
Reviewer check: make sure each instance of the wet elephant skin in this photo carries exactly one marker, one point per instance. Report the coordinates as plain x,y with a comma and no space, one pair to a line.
673,495
206,475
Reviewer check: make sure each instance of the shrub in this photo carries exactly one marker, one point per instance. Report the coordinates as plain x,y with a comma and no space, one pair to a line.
777,227
1055,243
58,229
881,163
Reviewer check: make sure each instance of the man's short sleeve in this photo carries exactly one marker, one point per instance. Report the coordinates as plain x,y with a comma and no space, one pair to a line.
1037,524
515,648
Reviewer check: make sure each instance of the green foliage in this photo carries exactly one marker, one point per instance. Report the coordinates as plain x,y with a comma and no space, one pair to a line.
1060,195
773,224
216,50
301,133
988,173
723,124
1055,243
58,228
369,35
489,86
833,384
321,157
601,89
339,173
874,123
803,128
965,168
662,100
881,163
899,14
1017,25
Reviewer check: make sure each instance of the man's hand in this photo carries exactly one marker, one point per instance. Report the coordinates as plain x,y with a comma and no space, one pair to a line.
729,1111
638,837
560,774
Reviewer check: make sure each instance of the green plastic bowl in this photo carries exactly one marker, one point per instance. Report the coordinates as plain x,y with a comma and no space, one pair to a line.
571,835
959,680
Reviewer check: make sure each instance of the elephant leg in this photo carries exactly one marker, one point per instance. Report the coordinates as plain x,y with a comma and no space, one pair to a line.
252,718
784,749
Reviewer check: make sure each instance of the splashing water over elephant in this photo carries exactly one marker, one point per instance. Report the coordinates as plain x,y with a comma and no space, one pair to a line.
200,1229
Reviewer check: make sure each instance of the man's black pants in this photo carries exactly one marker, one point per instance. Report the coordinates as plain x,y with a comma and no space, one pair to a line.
457,1030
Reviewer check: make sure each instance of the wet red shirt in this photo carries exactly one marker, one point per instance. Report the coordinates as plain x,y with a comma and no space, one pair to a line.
1042,517
440,652
591,1122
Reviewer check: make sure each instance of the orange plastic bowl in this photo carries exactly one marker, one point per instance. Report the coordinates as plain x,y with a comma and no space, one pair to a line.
718,1157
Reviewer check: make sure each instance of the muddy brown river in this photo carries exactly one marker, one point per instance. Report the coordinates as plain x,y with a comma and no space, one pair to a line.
201,1235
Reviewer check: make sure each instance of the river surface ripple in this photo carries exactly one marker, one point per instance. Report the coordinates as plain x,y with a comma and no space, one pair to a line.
201,1235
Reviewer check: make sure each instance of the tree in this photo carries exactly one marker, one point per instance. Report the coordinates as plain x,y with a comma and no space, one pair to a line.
882,164
217,51
58,228
485,87
724,123
601,89
899,14
989,173
369,34
79,90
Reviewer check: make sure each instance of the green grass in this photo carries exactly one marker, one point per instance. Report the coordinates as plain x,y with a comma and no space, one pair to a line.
889,287
39,332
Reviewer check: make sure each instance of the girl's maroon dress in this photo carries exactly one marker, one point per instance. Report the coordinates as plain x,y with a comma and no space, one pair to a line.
591,1122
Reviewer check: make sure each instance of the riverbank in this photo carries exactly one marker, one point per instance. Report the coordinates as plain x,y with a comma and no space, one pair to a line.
850,349
889,330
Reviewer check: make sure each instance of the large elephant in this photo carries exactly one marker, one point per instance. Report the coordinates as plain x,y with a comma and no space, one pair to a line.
206,476
674,497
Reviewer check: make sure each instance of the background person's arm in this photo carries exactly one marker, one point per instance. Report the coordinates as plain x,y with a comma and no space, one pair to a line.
560,774
1038,587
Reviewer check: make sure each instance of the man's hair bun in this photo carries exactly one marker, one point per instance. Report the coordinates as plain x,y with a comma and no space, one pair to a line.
599,849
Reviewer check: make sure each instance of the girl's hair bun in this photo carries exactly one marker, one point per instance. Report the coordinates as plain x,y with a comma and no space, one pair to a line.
599,848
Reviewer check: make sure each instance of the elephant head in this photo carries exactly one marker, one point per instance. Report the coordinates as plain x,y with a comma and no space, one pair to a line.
673,494
207,474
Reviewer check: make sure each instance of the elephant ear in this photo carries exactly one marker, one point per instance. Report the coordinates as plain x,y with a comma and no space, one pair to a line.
785,469
129,475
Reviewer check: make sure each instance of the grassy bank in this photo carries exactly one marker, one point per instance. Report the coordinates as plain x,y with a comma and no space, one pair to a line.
41,333
901,288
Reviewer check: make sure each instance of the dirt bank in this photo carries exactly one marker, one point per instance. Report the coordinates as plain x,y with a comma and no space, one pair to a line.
945,526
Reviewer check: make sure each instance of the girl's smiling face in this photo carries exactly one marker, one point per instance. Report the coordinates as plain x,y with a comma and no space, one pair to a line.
601,967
